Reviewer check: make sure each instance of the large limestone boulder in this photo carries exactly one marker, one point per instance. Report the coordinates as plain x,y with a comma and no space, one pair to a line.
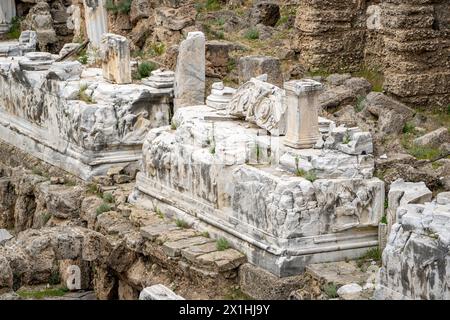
254,66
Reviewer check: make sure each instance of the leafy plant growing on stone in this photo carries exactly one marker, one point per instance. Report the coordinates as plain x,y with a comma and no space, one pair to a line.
83,96
108,197
14,30
157,49
124,6
330,290
346,139
310,176
384,220
252,34
222,244
145,69
180,223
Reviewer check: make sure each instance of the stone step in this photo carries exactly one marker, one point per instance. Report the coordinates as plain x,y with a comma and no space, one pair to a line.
173,248
176,235
151,232
221,261
191,253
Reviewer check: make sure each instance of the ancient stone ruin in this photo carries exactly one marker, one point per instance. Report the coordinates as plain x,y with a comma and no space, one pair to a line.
207,150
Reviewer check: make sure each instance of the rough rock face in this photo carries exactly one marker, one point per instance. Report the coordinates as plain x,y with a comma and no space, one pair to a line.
406,40
82,113
416,260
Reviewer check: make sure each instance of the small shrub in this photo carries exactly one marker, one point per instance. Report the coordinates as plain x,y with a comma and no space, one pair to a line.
14,30
424,152
104,207
83,96
205,234
45,217
108,197
40,294
330,290
384,220
310,176
372,254
374,76
55,278
346,139
157,49
222,244
182,224
359,104
145,69
219,21
123,6
70,183
409,128
159,213
252,34
94,189
212,5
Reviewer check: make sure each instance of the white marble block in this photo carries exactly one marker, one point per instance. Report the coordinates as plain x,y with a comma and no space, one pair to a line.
115,54
302,113
190,72
261,103
7,13
96,20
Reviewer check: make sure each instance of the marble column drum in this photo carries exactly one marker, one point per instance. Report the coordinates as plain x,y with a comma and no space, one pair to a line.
302,129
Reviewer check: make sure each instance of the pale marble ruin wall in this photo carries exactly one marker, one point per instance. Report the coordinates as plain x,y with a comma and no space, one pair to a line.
82,125
407,40
7,13
416,260
223,175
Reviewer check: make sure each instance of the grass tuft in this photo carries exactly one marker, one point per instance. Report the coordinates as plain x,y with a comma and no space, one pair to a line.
104,207
182,224
222,244
251,34
330,290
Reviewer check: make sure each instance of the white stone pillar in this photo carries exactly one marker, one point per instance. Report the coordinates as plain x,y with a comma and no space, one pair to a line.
96,20
189,87
302,129
115,53
7,13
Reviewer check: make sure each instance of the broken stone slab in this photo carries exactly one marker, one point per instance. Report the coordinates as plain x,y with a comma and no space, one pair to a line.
66,70
443,198
253,66
191,253
176,235
433,138
68,47
350,291
158,292
115,54
28,41
360,143
220,96
189,87
5,236
36,61
221,261
402,193
173,248
151,232
261,103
